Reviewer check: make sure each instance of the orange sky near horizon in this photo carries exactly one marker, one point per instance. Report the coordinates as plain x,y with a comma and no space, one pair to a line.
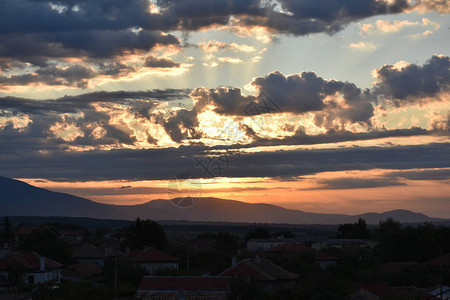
327,192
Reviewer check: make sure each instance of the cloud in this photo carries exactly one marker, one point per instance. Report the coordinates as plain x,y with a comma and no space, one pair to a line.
433,174
75,75
410,83
90,40
363,46
230,60
441,6
214,46
154,62
386,26
165,163
101,120
395,26
355,183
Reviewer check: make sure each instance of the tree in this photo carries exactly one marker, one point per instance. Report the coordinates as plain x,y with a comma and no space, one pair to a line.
258,233
226,241
46,242
145,233
354,230
8,233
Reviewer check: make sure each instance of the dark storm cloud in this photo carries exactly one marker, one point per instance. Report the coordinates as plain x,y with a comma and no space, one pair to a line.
75,75
227,101
166,163
297,94
101,28
79,111
83,101
413,82
181,125
301,138
98,32
355,183
308,92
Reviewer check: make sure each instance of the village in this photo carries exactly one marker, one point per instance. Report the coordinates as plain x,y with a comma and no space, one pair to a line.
143,261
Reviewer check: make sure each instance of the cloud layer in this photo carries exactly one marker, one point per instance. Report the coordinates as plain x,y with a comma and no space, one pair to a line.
75,44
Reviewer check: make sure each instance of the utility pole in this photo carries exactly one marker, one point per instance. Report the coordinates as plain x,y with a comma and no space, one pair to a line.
115,276
441,270
187,250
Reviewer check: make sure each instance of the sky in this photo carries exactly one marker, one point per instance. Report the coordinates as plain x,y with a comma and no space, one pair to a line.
328,106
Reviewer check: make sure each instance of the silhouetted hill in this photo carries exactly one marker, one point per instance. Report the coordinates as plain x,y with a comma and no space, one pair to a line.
20,199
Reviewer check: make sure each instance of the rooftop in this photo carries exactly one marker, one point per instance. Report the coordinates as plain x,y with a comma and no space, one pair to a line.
151,255
30,260
261,269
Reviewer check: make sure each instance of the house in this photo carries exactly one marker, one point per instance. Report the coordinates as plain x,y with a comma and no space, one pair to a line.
152,259
383,291
266,244
25,231
79,272
347,244
184,287
437,292
268,274
295,250
363,294
92,254
72,236
34,267
436,262
324,260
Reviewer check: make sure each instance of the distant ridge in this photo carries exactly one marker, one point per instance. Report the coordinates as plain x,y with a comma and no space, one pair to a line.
18,198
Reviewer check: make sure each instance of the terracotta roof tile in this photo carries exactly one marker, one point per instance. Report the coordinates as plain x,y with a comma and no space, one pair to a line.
29,260
26,230
88,251
437,261
261,269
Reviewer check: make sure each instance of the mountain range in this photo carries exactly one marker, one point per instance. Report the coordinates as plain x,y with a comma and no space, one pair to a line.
18,198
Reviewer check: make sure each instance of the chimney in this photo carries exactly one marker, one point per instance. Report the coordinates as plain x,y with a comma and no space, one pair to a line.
257,259
233,260
42,264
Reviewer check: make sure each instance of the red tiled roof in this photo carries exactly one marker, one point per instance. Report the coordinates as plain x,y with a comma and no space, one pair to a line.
261,269
88,251
30,260
26,230
380,288
83,270
290,247
186,283
437,261
91,251
151,255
